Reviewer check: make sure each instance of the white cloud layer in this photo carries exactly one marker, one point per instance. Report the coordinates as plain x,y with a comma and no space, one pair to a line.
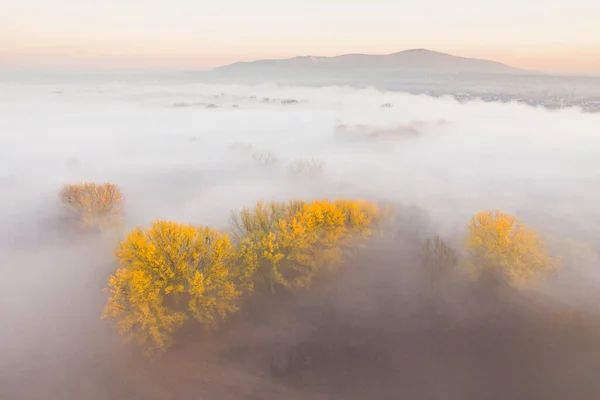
176,151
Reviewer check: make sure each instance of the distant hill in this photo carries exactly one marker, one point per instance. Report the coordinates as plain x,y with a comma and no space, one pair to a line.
409,61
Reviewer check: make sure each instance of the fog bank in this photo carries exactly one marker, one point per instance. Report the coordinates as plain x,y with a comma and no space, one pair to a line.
193,153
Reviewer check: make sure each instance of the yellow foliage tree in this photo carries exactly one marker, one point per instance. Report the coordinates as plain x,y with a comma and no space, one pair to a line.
499,242
170,271
263,217
93,205
287,244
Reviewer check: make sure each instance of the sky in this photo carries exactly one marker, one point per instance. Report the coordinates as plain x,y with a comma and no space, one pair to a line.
551,35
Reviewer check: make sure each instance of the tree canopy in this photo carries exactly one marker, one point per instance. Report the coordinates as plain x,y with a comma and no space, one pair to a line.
169,272
499,242
92,205
288,244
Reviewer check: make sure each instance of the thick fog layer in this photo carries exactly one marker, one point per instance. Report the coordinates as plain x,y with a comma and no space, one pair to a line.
193,153
187,152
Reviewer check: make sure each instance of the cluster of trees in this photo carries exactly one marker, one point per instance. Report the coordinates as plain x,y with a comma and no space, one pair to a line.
311,167
498,249
171,273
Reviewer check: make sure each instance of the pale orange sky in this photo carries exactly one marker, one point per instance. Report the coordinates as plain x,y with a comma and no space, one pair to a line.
549,35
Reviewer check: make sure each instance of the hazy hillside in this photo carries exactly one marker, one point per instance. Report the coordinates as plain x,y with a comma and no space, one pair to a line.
408,61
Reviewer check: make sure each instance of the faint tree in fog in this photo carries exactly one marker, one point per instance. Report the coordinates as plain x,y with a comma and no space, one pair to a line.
265,158
440,262
311,167
92,205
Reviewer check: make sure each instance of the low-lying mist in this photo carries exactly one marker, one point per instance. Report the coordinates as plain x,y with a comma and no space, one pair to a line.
194,153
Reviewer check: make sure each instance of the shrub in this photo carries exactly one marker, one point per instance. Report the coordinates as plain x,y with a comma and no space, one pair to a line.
504,246
93,205
288,244
170,272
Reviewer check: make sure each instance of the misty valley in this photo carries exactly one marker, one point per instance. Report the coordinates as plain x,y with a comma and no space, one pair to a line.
184,240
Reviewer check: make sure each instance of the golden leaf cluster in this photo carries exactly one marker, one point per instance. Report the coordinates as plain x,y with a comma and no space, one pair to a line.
288,244
171,273
501,244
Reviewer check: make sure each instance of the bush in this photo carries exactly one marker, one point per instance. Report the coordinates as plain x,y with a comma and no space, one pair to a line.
169,272
92,205
288,244
502,246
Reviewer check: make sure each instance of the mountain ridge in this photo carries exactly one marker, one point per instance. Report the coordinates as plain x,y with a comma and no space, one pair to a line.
411,60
